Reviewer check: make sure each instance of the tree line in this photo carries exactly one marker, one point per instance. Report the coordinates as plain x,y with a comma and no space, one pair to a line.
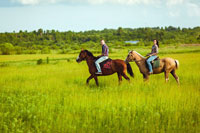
44,41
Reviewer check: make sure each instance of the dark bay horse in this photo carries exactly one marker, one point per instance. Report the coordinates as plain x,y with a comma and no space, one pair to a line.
167,65
117,66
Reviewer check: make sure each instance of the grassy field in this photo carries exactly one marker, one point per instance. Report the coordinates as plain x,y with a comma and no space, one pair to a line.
54,97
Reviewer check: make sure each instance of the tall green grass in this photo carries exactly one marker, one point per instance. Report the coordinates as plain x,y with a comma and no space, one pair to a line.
55,98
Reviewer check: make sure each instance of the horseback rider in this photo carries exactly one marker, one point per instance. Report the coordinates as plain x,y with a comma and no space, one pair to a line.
152,55
103,57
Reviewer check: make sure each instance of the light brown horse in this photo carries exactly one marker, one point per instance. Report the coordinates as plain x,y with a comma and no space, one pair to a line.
117,66
167,65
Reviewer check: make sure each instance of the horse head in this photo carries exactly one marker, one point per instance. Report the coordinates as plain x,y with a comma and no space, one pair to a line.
134,56
131,57
81,56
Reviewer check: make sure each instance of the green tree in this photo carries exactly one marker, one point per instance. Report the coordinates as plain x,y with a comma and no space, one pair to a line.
40,32
120,31
6,48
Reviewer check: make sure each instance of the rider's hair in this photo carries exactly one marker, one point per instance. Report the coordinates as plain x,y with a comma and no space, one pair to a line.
157,42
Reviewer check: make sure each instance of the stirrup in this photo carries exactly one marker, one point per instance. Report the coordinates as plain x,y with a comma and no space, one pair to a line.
98,73
150,73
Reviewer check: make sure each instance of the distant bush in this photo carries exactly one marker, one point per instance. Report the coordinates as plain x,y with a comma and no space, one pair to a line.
118,43
129,44
45,50
54,46
18,50
39,62
148,43
30,51
47,60
75,47
6,48
64,51
4,64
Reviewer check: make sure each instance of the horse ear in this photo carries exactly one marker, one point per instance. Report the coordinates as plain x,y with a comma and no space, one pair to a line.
82,49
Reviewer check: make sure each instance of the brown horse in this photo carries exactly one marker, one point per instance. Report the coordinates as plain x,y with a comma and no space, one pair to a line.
167,65
117,66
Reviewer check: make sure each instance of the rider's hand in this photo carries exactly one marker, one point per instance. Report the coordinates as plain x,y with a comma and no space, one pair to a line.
99,56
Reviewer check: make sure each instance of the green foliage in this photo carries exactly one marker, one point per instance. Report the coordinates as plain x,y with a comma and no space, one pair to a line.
55,40
47,60
65,51
54,46
45,50
75,47
39,61
18,50
6,48
31,51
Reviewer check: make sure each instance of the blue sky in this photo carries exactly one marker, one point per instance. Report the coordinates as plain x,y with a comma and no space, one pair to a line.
81,15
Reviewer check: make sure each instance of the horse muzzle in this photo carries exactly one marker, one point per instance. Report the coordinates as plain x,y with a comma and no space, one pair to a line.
78,60
126,61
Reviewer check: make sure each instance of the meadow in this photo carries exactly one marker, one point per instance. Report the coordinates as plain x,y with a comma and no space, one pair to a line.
54,97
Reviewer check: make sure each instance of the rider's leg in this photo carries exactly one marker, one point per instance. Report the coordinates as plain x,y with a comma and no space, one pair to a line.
97,63
149,63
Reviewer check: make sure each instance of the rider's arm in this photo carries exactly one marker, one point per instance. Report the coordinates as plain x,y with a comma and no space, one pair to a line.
154,51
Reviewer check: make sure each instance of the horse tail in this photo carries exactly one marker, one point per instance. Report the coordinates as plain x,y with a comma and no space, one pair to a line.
129,70
177,64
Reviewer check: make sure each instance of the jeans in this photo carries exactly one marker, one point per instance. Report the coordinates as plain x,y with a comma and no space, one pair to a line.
101,59
149,62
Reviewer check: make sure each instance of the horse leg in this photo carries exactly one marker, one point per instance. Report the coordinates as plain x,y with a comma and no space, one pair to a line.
145,77
96,80
91,76
166,76
119,77
175,76
125,76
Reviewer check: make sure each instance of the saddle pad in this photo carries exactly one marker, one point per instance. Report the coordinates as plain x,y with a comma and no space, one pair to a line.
106,64
156,63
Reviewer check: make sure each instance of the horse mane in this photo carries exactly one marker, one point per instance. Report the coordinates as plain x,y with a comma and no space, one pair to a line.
90,54
139,54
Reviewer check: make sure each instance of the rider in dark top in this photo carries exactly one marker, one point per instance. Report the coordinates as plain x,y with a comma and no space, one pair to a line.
153,55
103,57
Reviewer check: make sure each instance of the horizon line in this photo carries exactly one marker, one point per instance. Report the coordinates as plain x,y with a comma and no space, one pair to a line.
160,27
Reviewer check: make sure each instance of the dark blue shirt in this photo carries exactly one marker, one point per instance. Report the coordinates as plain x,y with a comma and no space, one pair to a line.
105,50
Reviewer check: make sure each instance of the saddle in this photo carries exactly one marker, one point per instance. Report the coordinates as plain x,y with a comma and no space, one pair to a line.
154,63
106,64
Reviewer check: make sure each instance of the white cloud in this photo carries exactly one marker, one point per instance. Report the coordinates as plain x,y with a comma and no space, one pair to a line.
183,7
35,2
93,2
175,7
124,2
174,13
193,10
29,2
174,2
